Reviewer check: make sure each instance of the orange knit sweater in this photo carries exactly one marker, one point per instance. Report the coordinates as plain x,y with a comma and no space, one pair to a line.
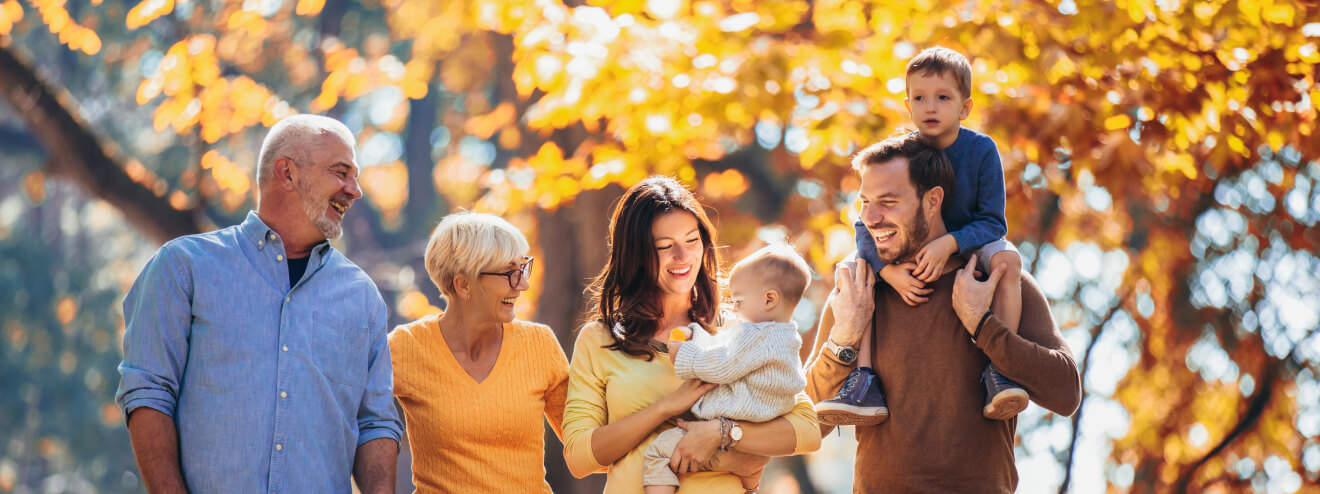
479,437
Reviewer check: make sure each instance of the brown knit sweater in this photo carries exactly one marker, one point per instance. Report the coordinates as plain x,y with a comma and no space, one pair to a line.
935,439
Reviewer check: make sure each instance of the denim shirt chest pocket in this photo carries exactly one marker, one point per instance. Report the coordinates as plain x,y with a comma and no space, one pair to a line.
336,340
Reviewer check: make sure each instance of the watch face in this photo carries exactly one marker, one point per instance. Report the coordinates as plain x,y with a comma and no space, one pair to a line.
848,355
736,433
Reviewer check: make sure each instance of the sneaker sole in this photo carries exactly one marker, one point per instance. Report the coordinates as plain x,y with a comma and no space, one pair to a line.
835,415
1006,405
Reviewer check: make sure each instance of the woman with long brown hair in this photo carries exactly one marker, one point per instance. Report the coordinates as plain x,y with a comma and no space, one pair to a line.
662,273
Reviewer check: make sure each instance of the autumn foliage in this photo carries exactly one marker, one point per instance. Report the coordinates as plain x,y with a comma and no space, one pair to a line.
1158,154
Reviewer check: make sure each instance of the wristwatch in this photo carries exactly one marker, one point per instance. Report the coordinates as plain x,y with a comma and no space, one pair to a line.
735,433
845,354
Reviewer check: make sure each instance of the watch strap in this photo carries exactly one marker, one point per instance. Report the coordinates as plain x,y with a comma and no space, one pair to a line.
835,349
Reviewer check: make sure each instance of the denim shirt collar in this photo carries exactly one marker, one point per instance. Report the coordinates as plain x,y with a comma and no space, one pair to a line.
261,235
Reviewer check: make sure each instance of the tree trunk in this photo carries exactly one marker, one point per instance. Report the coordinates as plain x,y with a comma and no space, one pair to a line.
572,241
77,154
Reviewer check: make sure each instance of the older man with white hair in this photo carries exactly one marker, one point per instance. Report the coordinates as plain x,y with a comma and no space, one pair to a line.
255,356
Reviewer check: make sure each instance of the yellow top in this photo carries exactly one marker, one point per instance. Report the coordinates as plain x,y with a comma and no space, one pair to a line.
487,436
607,385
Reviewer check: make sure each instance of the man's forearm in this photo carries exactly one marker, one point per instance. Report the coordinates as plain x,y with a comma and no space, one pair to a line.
156,447
375,465
1043,366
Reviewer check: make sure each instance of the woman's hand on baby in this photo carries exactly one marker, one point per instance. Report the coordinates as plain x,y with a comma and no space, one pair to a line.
685,396
698,446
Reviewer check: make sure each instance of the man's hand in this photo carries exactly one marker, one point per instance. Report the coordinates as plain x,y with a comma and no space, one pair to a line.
852,301
971,298
932,257
899,276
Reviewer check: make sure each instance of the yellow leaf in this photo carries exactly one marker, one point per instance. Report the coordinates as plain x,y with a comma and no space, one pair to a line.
1117,122
10,13
386,186
91,43
548,159
309,7
1279,13
1180,162
1235,143
147,11
1275,140
485,126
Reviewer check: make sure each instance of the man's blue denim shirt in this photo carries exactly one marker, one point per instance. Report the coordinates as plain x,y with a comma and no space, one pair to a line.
272,387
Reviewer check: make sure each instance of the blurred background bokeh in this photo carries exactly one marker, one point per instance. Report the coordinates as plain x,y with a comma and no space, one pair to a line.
1159,158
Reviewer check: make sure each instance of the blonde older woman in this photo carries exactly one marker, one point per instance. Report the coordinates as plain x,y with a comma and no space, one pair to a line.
474,382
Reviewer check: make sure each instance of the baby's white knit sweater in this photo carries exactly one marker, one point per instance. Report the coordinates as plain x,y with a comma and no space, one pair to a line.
755,364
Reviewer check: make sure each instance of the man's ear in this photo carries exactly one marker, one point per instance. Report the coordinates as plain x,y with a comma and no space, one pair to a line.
772,299
284,170
935,199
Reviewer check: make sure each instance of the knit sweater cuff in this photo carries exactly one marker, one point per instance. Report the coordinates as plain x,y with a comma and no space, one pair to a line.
683,362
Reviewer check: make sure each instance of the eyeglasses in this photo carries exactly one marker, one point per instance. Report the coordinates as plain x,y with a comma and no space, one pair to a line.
516,276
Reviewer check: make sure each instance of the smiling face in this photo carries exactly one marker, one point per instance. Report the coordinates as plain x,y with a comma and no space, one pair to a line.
494,297
679,248
327,184
892,211
936,106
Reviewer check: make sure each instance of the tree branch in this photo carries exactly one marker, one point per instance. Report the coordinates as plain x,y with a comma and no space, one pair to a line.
77,154
1255,408
1081,407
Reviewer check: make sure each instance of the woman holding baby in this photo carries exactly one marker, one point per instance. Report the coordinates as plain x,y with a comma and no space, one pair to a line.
661,274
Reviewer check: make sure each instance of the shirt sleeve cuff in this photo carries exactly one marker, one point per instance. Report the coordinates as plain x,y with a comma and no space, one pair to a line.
377,433
580,458
990,330
806,427
964,250
160,401
683,361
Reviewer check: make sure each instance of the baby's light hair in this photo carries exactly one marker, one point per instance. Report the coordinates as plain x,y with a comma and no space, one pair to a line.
779,267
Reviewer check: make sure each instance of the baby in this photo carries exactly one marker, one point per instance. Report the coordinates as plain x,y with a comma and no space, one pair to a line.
755,362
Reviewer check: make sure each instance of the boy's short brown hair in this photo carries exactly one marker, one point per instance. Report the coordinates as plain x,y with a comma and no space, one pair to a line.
939,60
780,267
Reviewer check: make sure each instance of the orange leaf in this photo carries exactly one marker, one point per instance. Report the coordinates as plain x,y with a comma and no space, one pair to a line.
147,11
309,7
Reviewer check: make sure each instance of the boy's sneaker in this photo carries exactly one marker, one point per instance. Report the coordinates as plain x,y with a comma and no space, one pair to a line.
1003,398
859,402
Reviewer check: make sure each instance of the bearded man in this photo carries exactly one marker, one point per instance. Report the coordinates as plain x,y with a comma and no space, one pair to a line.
255,356
931,356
